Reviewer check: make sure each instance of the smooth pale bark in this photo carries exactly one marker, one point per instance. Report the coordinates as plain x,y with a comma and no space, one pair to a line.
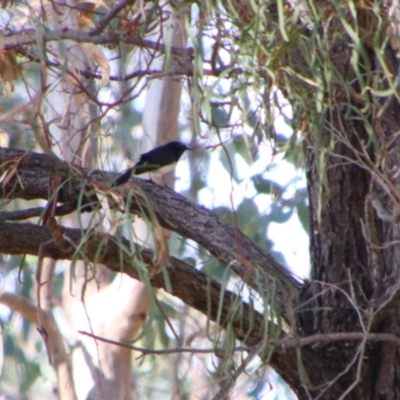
100,370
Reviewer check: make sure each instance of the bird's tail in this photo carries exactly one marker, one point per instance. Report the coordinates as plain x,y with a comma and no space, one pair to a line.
124,177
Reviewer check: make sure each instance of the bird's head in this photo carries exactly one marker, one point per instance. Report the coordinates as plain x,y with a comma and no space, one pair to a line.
178,147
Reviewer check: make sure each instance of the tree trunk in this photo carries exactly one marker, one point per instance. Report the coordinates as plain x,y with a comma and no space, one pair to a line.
352,181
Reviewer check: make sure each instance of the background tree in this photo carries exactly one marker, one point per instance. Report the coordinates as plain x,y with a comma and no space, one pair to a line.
326,69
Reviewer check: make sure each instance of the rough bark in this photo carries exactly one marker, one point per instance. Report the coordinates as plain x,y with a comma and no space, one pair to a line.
354,237
187,283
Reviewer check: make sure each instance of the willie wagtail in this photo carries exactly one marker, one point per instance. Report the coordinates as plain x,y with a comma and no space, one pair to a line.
157,161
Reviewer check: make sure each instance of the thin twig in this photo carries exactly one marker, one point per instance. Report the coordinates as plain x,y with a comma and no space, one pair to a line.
160,308
145,352
102,24
228,384
29,37
339,337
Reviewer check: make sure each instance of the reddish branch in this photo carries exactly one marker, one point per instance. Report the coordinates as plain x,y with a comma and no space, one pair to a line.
21,305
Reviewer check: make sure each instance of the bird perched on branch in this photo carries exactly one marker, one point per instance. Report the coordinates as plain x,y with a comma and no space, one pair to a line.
158,161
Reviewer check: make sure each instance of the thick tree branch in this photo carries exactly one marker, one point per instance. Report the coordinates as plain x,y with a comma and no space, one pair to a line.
27,178
173,211
187,283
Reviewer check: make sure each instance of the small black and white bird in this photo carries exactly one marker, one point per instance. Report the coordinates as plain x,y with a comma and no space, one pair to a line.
158,161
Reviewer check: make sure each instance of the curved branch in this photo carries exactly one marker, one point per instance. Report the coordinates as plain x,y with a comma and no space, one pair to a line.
173,211
187,283
21,305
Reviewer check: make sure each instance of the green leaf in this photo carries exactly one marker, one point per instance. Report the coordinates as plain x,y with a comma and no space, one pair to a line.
244,147
250,221
163,336
225,213
252,117
31,373
227,158
295,153
279,215
220,117
267,186
59,283
14,350
170,312
304,216
216,271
